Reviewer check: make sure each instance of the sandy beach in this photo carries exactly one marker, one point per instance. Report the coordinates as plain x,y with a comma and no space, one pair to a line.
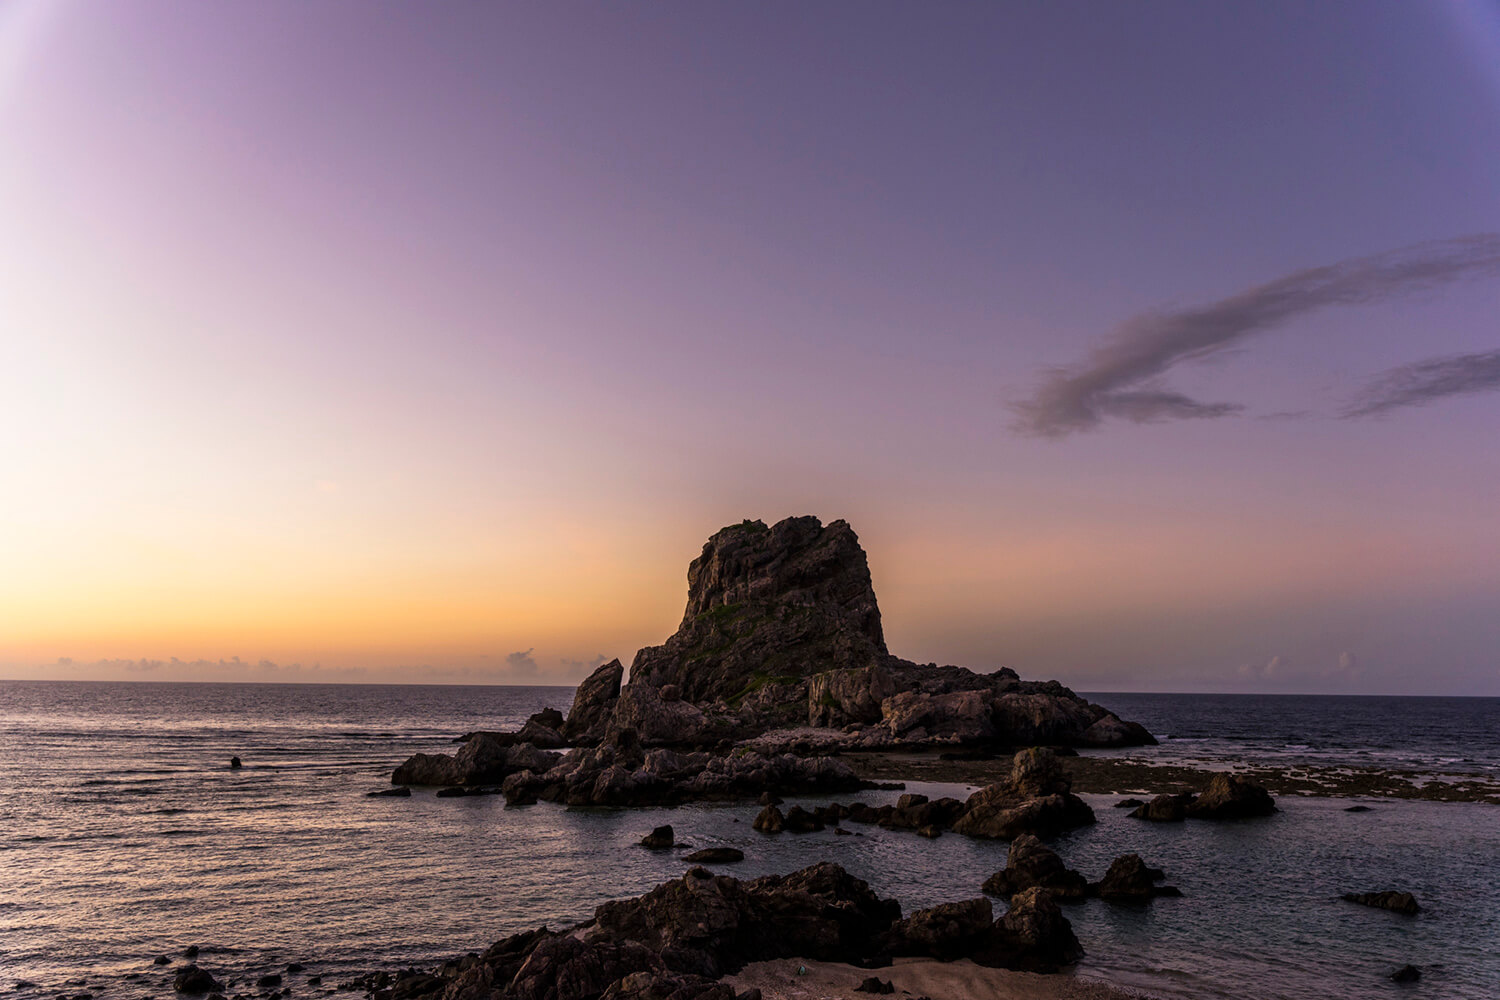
918,977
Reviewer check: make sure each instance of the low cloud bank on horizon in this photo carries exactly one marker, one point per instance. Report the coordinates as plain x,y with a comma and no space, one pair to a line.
1119,378
516,668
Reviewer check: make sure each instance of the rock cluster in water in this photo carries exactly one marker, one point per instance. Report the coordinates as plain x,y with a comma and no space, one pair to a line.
675,941
781,635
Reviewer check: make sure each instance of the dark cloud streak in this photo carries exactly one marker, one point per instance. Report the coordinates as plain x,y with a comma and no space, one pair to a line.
1424,382
1119,377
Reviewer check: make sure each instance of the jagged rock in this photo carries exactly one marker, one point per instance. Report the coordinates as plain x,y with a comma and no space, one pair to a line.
841,697
542,736
566,968
485,758
945,932
659,839
790,600
711,925
593,703
770,820
964,716
1231,797
799,820
1129,880
1397,902
716,856
1034,799
191,979
1164,809
1032,863
909,799
1033,935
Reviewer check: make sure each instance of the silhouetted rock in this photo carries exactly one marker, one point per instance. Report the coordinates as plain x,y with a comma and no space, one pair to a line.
267,981
1164,809
1406,974
593,703
659,838
191,979
1231,797
945,932
486,758
716,856
234,762
1032,863
770,820
1358,809
874,984
390,793
1396,902
1035,799
1129,880
1033,936
1129,804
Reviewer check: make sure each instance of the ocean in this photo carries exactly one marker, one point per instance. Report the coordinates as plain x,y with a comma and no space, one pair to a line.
124,835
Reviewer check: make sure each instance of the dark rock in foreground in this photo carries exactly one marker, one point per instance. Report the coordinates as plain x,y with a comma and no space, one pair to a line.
1227,797
716,856
1396,902
1035,799
674,941
660,838
1031,863
1406,974
191,979
593,704
1129,880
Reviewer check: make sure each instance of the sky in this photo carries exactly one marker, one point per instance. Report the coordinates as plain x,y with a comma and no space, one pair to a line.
1147,346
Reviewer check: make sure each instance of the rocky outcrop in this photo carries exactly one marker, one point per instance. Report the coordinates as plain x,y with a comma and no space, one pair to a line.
593,703
946,932
841,697
1129,880
763,603
1033,936
657,721
1396,902
622,772
1032,864
486,758
1227,797
1035,799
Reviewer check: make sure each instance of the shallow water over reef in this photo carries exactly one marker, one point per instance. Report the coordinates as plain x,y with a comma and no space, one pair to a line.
124,835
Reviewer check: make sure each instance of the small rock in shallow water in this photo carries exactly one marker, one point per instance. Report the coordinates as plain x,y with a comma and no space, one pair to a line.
191,951
716,855
659,839
1397,902
161,960
1406,974
390,793
191,979
234,762
294,967
875,985
266,982
1129,804
1360,809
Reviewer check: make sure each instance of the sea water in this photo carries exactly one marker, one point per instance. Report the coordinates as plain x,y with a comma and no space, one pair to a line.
124,835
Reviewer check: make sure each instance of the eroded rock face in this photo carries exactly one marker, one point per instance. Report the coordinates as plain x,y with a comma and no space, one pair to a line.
1130,880
1035,799
841,697
593,703
763,603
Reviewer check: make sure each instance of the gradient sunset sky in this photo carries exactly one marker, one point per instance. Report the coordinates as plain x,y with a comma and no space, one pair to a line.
1148,346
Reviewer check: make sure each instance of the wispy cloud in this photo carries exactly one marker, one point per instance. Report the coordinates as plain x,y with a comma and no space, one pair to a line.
1427,381
1120,378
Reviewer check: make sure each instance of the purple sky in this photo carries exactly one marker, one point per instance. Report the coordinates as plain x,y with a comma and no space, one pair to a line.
1148,346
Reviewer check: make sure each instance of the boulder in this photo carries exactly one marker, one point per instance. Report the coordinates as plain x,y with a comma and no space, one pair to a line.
549,718
191,979
716,856
1396,902
1231,797
946,932
1164,809
769,820
1129,880
593,703
1032,863
1406,974
659,839
1034,799
1033,936
799,820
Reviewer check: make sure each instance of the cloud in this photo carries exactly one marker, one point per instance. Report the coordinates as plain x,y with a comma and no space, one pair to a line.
1424,382
521,664
581,666
1275,665
1120,377
1348,665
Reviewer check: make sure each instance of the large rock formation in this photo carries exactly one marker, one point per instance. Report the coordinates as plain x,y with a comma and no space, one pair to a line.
593,703
766,603
782,629
486,758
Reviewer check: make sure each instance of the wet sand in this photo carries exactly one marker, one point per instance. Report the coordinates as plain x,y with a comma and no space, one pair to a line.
918,977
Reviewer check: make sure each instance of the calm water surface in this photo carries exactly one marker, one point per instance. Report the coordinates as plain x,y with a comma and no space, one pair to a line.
124,835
